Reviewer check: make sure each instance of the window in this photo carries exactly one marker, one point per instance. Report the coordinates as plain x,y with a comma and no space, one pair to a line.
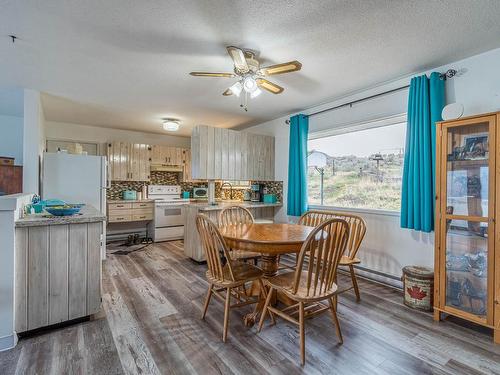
358,169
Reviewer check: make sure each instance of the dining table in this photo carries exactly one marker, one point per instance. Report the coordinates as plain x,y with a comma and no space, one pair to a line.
271,240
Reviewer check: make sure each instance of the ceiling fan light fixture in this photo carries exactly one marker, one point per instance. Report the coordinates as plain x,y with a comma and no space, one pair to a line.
255,93
171,125
249,84
236,88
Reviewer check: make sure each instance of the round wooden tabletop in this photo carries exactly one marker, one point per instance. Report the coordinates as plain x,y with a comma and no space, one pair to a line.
272,239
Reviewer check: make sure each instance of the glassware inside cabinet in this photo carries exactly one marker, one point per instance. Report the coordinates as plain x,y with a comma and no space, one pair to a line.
467,266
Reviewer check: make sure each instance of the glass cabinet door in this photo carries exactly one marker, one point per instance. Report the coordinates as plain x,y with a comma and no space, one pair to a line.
466,207
467,266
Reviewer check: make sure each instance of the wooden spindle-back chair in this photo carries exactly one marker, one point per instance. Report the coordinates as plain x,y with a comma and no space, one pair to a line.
313,280
357,231
229,276
236,215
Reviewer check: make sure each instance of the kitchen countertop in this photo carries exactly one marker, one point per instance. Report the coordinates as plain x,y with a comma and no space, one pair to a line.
221,205
88,214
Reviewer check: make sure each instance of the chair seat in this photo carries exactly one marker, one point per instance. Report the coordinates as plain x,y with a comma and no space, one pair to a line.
284,282
243,254
346,261
242,272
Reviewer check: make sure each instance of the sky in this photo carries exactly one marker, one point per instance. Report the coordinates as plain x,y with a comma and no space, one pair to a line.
362,143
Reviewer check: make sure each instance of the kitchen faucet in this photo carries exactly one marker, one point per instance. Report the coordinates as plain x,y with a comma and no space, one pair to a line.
230,189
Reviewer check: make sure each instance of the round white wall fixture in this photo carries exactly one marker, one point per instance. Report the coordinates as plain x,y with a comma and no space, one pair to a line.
452,111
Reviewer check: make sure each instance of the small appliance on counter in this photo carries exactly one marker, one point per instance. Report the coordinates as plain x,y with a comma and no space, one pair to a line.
129,195
270,198
246,196
200,193
256,192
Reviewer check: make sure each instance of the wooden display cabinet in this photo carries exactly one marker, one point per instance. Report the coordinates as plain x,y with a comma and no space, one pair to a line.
467,256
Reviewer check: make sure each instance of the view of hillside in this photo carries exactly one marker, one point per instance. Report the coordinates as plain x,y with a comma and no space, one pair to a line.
352,181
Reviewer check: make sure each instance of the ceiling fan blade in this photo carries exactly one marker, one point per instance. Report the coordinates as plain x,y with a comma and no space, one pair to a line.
238,56
208,74
291,66
269,86
228,92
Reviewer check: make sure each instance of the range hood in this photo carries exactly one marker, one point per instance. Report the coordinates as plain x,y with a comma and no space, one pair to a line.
166,168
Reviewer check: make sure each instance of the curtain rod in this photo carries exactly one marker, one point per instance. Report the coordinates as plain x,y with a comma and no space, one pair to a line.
448,74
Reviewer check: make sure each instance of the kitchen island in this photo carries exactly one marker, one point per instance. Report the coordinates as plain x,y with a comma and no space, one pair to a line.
57,268
192,244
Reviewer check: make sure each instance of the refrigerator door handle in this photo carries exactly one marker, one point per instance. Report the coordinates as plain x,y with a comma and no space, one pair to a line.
108,180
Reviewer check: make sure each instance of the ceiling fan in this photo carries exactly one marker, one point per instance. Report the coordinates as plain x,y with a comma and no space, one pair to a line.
251,77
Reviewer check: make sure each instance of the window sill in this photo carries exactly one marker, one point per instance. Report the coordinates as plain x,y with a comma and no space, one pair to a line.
369,211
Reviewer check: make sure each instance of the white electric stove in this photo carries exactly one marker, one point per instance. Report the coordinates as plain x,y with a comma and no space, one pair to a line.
168,222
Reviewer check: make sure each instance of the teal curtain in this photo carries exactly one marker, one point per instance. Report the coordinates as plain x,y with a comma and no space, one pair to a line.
425,103
297,166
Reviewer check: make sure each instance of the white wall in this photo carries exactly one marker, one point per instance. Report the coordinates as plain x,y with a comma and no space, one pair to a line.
33,141
10,206
387,248
95,134
11,141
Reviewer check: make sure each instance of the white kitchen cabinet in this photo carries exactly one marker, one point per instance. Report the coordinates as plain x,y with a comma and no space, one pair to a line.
129,161
166,155
223,154
186,165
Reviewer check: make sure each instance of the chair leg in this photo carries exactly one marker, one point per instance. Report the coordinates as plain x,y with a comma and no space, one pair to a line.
335,319
264,294
354,282
302,334
264,310
226,313
207,301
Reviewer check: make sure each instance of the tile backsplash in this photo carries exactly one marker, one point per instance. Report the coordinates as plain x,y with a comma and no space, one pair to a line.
174,178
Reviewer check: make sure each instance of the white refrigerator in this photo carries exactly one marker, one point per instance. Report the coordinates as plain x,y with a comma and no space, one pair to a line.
76,179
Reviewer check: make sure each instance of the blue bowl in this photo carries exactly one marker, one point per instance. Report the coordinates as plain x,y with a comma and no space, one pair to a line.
63,211
52,202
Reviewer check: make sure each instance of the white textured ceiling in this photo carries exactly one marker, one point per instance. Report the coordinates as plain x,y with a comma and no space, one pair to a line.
125,63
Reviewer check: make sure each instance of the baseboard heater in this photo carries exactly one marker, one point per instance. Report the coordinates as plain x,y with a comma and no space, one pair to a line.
377,273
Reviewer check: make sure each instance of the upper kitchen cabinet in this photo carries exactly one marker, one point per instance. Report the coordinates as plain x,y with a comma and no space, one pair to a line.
223,154
186,165
129,161
166,155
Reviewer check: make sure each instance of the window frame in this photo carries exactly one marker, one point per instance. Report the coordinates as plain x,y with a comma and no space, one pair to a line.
351,128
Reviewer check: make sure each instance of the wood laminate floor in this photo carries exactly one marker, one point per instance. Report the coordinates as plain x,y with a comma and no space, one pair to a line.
150,324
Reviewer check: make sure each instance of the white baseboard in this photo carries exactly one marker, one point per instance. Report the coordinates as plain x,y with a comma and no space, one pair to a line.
8,342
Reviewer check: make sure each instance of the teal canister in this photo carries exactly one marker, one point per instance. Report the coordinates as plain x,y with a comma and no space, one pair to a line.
270,198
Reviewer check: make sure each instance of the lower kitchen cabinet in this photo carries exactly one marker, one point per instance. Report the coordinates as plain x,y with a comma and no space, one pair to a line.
119,212
58,273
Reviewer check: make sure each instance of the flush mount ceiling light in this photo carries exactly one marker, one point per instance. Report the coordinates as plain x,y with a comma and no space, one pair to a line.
171,125
251,77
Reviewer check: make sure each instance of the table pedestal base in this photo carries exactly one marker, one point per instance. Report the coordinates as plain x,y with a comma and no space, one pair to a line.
269,264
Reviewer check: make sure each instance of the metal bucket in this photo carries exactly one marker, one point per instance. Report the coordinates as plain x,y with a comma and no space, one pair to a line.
418,285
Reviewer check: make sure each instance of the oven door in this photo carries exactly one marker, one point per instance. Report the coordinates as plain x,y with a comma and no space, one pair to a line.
169,216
